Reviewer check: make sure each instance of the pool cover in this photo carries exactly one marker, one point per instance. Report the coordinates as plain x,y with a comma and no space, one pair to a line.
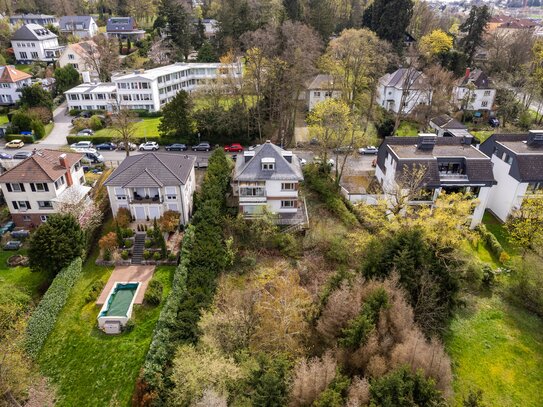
121,300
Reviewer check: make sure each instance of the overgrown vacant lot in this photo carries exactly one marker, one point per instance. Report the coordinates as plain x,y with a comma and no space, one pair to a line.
498,348
21,278
89,367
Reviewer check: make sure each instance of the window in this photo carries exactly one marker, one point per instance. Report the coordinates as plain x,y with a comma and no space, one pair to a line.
39,187
119,193
34,55
251,191
535,188
16,187
268,166
77,166
171,193
484,103
487,93
21,205
76,66
317,94
27,218
43,218
507,158
23,55
450,168
82,180
288,204
59,182
45,204
328,94
288,186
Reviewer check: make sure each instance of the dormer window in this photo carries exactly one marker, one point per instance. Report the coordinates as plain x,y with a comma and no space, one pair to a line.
268,164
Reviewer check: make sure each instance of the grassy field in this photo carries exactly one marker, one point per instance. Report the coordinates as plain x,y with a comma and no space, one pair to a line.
482,135
3,119
21,278
498,348
498,230
24,67
145,128
407,129
89,367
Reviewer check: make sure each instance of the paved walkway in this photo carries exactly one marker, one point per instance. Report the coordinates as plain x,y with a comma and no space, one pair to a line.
63,124
128,274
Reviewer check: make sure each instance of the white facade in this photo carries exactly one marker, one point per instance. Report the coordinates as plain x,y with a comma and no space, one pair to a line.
277,196
78,27
35,43
89,96
390,98
152,89
315,96
150,203
74,55
477,99
11,82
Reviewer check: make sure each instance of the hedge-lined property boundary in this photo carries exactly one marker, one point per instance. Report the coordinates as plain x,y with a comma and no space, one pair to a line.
43,319
493,245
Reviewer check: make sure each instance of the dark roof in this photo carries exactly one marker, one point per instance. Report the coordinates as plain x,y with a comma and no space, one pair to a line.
33,32
152,170
43,166
477,166
445,121
119,24
68,20
399,77
252,169
527,165
321,81
477,78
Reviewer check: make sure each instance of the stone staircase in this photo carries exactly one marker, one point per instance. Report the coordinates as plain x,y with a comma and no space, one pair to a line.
137,250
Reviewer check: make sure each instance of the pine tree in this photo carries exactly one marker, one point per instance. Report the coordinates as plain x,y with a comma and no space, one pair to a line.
474,28
389,19
174,16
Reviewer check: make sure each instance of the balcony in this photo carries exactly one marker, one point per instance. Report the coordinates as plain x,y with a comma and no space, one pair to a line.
137,199
447,176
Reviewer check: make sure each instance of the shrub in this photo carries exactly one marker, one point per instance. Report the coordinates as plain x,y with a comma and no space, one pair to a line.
129,326
21,121
287,244
42,114
148,243
489,276
128,243
146,254
95,290
95,123
38,128
107,255
172,256
526,284
124,255
43,319
169,221
157,256
153,295
27,139
128,232
123,217
80,123
492,244
108,242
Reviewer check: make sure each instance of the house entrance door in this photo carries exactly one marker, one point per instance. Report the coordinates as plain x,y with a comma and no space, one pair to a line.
154,212
139,212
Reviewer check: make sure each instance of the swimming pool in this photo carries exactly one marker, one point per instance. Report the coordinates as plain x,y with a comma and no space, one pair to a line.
117,309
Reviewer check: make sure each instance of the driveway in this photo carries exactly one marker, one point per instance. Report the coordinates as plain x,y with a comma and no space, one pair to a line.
63,124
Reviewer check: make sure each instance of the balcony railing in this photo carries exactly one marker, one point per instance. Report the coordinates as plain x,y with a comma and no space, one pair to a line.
448,176
146,200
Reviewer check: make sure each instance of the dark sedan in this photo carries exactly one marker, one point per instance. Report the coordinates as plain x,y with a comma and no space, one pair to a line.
21,155
176,147
106,146
203,146
13,245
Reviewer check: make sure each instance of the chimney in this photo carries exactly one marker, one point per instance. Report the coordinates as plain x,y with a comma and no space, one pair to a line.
467,73
64,163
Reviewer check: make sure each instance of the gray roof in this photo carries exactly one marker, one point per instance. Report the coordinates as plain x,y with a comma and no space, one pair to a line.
152,170
478,78
477,166
321,81
120,24
527,165
445,121
33,32
84,20
398,79
252,169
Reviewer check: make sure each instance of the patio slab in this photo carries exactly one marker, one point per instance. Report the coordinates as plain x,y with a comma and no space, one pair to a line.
135,273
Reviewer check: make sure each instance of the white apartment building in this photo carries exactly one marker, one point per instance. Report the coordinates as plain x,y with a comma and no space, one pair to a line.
268,177
474,91
11,82
517,161
34,186
403,90
152,183
32,42
449,164
92,96
149,89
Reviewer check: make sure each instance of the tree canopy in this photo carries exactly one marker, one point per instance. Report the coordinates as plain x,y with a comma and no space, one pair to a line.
473,29
177,116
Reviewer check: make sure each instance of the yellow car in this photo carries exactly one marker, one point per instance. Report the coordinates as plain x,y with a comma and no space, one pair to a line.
15,144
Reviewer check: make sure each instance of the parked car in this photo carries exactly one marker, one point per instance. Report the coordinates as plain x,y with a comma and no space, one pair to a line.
149,146
203,146
494,122
21,155
176,147
131,146
106,146
233,148
90,155
82,144
20,234
303,161
85,132
85,114
13,245
5,156
15,144
251,148
7,227
368,150
330,161
343,149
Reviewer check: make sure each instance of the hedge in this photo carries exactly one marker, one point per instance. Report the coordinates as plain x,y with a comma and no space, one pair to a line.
43,319
75,112
105,139
492,244
27,139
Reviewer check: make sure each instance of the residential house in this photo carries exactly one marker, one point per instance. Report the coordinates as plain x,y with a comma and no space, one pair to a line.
92,96
11,82
268,177
78,26
443,164
211,27
33,42
152,183
319,88
40,19
518,169
446,126
33,187
124,28
508,24
474,91
403,90
78,55
151,89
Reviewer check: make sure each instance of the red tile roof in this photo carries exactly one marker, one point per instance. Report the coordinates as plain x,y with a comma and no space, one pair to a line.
12,75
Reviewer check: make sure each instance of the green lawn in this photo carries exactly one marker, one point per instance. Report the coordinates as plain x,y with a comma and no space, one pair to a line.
407,129
497,229
482,135
89,367
145,128
497,348
21,278
24,67
4,119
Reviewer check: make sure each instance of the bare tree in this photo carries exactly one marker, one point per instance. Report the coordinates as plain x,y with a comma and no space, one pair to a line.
415,90
124,125
103,56
408,186
439,90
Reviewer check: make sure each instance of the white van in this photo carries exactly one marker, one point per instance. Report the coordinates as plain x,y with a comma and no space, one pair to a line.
91,155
